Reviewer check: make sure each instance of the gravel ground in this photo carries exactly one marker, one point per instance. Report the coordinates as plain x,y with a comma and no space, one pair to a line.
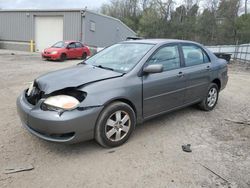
153,156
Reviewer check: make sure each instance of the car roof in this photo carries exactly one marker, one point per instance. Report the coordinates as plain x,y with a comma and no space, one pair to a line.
159,41
69,41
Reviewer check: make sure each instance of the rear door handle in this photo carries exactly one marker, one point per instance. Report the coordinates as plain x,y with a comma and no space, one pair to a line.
180,75
208,68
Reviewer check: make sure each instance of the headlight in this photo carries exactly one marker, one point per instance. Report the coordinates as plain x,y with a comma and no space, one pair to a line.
30,88
65,102
54,52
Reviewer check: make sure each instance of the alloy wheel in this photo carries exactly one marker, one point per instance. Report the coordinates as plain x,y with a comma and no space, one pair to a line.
117,126
212,97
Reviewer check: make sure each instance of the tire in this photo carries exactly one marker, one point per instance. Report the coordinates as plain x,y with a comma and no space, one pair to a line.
108,127
211,99
63,57
84,56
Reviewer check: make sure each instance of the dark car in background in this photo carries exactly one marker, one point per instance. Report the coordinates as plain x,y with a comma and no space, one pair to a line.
121,86
64,50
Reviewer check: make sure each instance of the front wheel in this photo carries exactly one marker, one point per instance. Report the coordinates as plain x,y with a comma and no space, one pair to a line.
63,57
210,101
115,125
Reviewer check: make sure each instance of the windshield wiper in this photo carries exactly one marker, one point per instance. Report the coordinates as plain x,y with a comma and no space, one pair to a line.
102,67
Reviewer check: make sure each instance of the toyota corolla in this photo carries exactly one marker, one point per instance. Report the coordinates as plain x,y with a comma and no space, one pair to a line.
105,97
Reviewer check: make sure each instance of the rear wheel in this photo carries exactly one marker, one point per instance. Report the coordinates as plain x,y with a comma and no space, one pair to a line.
115,125
210,101
84,55
63,57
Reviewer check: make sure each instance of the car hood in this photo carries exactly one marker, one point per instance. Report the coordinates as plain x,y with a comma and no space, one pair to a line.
53,49
73,77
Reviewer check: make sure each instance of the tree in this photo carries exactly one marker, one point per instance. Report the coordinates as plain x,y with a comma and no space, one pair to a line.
151,24
145,4
246,6
184,22
128,11
243,28
164,8
207,27
217,23
227,15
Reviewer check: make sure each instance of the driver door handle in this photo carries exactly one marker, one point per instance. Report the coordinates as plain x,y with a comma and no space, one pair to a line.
180,74
208,67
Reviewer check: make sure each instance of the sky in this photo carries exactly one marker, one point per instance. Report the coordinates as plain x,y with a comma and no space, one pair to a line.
62,4
52,4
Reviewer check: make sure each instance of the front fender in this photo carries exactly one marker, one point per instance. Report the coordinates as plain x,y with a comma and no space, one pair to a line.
104,92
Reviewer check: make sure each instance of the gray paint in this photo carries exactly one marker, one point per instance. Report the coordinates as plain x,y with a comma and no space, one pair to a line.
65,76
108,30
19,46
148,94
15,26
72,26
18,26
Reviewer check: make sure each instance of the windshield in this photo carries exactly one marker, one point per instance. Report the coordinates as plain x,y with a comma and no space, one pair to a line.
59,45
120,57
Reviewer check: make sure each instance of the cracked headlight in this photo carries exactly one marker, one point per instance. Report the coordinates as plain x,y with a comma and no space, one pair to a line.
30,88
64,102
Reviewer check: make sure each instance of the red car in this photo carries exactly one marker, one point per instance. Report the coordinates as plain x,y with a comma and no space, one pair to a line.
66,50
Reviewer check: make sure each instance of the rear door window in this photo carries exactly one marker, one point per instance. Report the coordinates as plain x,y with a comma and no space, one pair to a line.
194,55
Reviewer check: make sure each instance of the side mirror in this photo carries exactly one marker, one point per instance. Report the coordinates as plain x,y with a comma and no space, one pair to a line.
151,69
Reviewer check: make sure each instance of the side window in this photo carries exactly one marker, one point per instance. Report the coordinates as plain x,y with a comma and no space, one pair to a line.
78,45
72,45
194,55
206,58
167,56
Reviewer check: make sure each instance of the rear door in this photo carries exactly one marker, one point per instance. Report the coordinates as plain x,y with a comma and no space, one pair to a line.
164,91
197,71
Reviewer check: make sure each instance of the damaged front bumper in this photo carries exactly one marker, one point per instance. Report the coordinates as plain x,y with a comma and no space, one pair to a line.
70,127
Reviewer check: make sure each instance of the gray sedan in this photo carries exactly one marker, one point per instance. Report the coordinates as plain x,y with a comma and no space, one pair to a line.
121,86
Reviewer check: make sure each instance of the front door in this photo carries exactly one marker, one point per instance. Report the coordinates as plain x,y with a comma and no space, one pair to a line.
164,91
72,52
79,49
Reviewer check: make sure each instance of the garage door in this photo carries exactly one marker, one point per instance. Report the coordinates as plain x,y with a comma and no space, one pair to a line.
48,31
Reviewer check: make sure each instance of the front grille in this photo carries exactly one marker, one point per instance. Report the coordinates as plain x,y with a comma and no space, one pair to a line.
47,57
35,95
63,136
